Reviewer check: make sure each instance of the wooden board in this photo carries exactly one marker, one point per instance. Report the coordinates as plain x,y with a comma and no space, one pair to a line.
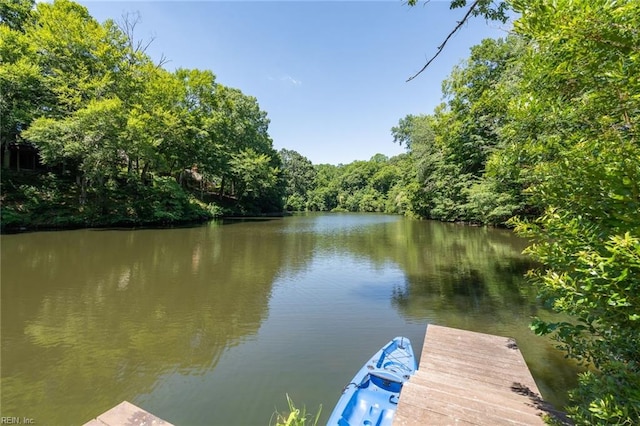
468,378
127,414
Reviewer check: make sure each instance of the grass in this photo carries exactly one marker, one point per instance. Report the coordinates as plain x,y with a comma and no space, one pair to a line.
296,416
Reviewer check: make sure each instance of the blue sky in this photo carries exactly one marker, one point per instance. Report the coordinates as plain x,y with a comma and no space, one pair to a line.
331,75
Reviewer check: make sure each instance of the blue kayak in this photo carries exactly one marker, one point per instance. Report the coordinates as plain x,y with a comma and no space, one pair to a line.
372,396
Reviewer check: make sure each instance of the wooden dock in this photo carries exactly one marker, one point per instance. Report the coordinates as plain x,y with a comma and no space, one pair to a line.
127,414
467,378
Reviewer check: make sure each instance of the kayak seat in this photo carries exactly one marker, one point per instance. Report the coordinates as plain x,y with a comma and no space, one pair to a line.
386,417
355,411
386,380
387,375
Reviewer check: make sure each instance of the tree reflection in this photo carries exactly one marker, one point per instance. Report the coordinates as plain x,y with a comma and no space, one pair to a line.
108,312
90,318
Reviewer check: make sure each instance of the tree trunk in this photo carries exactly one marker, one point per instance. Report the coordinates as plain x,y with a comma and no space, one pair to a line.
145,171
81,181
6,161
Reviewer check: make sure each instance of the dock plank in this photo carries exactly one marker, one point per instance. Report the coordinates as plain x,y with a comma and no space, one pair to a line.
469,372
469,378
413,416
474,391
474,412
486,356
127,414
489,405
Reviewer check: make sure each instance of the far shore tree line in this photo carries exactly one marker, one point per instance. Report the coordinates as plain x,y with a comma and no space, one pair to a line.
537,131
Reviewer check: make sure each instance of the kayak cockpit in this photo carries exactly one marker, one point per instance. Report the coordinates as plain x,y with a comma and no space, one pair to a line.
373,409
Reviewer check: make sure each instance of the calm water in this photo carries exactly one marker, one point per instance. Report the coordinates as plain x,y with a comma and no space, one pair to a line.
213,325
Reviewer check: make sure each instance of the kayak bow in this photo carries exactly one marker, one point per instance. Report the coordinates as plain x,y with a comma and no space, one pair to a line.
371,398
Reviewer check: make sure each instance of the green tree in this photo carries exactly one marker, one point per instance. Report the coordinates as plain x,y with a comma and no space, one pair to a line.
299,174
438,188
324,195
76,56
577,116
157,132
253,173
452,147
200,119
475,98
101,112
90,138
80,114
359,186
21,85
405,194
239,124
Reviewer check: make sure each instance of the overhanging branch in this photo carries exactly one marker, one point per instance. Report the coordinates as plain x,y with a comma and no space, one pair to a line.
441,47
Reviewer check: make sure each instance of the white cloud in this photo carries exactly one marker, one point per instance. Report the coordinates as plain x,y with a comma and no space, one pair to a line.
291,80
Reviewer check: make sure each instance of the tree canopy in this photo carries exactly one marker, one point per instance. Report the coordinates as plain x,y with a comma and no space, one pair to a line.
542,127
102,114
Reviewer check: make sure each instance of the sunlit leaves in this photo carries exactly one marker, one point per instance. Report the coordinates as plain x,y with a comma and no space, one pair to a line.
97,107
21,84
73,53
547,124
299,175
253,172
91,137
577,127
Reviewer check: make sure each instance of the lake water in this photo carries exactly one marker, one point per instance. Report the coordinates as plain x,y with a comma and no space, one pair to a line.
214,325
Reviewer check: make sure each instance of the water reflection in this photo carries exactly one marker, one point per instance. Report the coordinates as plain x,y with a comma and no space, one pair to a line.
87,311
193,323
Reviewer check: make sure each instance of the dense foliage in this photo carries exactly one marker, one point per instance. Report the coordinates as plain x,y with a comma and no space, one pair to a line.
459,150
113,127
380,184
578,110
544,126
